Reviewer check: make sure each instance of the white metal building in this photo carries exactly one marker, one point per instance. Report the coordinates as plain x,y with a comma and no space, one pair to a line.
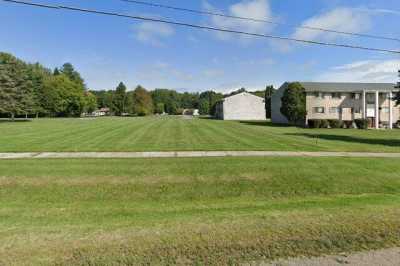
242,106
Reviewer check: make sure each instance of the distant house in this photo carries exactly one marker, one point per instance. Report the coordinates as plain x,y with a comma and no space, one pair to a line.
101,112
242,106
192,112
344,101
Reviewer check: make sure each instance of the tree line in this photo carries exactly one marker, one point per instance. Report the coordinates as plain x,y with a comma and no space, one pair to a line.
120,101
27,89
32,89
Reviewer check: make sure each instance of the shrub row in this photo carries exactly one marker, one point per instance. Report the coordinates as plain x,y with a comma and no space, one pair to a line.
324,123
335,123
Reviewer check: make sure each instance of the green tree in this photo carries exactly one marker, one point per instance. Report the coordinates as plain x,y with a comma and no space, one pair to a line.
204,107
235,92
397,95
16,94
56,72
269,91
189,100
129,103
63,97
119,99
142,101
294,103
170,99
90,102
37,75
109,101
159,108
68,70
212,98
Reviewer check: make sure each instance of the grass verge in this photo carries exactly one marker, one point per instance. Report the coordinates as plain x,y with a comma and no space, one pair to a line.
194,211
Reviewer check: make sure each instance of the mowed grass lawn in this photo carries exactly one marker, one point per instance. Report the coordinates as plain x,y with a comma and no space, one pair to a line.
202,211
180,134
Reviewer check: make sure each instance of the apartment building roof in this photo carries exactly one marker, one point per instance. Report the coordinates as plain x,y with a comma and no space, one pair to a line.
347,86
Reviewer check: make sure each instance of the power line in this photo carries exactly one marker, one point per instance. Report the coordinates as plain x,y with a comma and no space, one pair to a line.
92,11
209,13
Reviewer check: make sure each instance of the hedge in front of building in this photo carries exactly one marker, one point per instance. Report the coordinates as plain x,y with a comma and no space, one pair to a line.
318,123
335,123
361,123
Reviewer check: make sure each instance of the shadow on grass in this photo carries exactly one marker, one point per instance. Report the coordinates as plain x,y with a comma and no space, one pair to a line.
17,120
350,139
263,123
208,118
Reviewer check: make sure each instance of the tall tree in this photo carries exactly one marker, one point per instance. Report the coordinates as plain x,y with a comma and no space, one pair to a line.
189,100
56,72
129,103
269,91
120,99
16,94
143,103
90,102
294,103
63,97
204,107
68,70
159,108
397,96
211,97
169,98
37,74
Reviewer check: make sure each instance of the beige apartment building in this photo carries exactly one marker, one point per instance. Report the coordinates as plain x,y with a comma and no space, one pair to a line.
346,102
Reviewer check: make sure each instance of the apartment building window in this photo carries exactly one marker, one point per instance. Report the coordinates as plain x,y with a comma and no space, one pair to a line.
336,95
357,110
385,109
383,96
319,110
356,96
334,110
319,95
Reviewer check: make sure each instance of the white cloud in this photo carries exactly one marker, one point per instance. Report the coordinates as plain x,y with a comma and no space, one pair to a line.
153,33
258,9
162,72
339,19
380,11
364,71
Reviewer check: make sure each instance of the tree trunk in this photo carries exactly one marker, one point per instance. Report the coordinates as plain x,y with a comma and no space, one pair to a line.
12,117
37,115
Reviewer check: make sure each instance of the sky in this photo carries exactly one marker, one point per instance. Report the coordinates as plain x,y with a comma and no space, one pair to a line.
107,50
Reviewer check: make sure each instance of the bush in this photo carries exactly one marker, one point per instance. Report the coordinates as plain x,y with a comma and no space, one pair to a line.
348,124
318,123
179,111
361,123
324,123
314,123
335,123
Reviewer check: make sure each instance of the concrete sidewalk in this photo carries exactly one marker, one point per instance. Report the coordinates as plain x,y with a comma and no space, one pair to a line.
385,257
191,154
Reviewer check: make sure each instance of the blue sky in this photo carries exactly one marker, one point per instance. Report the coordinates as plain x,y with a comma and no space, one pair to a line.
107,50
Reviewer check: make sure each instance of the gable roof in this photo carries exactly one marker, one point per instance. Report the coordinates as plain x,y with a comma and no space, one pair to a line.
346,86
243,93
